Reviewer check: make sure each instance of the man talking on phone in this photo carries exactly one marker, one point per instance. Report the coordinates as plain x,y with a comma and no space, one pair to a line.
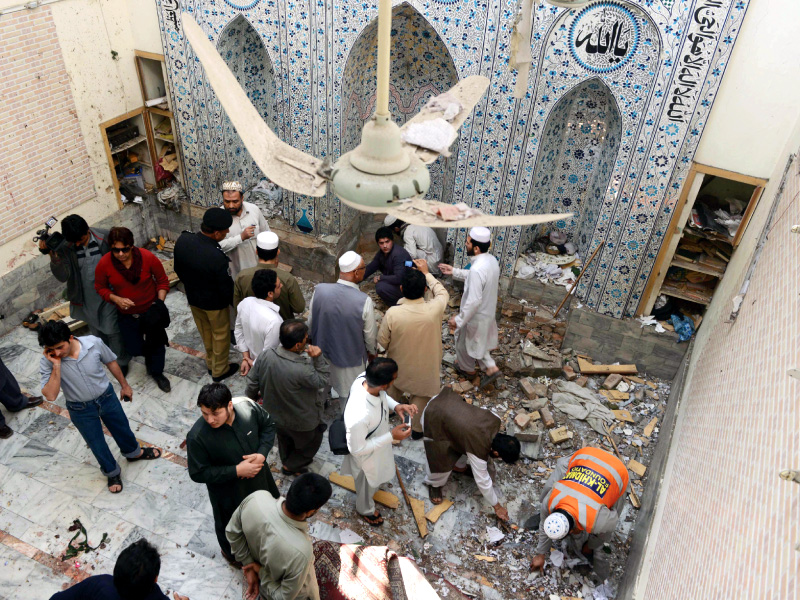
369,440
74,365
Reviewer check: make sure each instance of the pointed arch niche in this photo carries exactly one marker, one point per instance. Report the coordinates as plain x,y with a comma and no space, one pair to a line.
245,54
579,147
421,68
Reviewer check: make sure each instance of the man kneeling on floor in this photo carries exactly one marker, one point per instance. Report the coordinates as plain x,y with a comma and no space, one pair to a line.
462,438
74,365
583,497
135,578
270,538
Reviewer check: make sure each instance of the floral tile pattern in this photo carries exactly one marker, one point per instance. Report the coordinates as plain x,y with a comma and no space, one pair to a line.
657,63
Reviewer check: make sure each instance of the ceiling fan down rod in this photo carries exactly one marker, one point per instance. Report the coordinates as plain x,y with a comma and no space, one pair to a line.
384,64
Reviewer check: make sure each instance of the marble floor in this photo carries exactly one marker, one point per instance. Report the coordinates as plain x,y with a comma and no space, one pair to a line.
48,478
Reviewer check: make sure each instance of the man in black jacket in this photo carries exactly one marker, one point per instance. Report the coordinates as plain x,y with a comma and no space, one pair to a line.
75,263
391,261
204,270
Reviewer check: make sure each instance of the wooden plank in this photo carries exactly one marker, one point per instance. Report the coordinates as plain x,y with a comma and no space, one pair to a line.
634,499
635,379
637,467
648,430
485,558
725,174
438,510
623,415
615,395
417,506
60,312
150,55
751,207
347,482
588,368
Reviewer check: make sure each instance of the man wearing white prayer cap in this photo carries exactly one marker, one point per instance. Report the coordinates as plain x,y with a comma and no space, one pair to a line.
240,243
419,241
342,323
291,301
474,327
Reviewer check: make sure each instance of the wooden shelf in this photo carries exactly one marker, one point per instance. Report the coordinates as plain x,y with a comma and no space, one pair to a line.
129,144
163,139
684,263
675,292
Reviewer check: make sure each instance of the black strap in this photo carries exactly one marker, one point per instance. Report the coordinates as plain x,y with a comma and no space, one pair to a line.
379,422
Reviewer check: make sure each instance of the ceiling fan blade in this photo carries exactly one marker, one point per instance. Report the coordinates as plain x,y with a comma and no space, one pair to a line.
468,92
418,211
288,167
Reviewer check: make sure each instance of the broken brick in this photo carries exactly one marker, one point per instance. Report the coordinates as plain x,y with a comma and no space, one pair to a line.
547,418
522,420
582,380
612,381
560,435
527,385
568,373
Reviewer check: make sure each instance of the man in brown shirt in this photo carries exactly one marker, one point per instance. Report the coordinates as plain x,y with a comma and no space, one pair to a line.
291,301
411,333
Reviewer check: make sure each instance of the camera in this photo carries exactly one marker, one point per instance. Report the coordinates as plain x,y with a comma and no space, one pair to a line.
53,241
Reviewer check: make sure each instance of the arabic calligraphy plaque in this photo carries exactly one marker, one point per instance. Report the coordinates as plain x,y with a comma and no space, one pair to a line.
604,36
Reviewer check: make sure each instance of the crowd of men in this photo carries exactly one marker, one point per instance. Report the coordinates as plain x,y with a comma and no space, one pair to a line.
238,294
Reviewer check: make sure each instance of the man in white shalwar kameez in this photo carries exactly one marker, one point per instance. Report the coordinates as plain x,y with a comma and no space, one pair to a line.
248,222
475,327
369,439
419,241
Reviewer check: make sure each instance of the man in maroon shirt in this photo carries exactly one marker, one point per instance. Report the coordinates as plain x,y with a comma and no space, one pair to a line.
135,281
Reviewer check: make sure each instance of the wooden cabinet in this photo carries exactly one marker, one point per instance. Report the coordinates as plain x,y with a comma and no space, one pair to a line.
700,240
141,159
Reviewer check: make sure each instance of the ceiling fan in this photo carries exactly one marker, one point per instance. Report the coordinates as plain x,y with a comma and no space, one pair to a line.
384,173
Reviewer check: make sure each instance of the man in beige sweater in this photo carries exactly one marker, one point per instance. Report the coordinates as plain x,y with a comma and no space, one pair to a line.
411,333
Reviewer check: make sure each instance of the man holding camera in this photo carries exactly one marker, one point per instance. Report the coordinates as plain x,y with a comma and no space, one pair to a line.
74,261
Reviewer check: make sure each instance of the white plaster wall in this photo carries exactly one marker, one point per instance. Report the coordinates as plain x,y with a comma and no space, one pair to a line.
719,309
103,88
758,102
143,16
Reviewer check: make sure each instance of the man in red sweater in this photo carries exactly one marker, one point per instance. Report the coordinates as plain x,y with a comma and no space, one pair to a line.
134,280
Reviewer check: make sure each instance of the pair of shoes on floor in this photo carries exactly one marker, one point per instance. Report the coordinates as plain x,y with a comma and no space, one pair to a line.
233,368
31,402
162,383
6,432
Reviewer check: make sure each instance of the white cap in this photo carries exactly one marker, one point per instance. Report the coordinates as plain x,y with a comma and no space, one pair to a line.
480,234
232,186
389,220
556,526
266,240
349,261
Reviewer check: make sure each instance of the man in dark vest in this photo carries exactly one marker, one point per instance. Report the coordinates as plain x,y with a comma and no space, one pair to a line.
462,438
342,323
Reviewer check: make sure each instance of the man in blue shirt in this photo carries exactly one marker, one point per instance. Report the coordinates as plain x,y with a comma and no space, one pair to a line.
135,578
75,365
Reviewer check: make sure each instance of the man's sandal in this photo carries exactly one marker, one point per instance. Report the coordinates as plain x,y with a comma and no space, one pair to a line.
435,494
375,520
116,480
147,454
488,379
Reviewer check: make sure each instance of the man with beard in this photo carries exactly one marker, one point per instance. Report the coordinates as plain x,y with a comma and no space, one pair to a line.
475,327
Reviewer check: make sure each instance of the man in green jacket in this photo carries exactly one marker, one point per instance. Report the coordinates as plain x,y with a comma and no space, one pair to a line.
227,450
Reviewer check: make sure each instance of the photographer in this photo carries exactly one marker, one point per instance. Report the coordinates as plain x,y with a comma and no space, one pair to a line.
74,262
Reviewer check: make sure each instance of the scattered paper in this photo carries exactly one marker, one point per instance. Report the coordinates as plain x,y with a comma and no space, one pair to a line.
350,537
557,558
493,534
436,134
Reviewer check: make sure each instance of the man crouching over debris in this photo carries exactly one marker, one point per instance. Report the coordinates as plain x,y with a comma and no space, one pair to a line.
583,497
457,433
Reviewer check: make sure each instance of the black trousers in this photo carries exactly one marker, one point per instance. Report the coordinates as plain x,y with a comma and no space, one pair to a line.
298,448
10,395
132,337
